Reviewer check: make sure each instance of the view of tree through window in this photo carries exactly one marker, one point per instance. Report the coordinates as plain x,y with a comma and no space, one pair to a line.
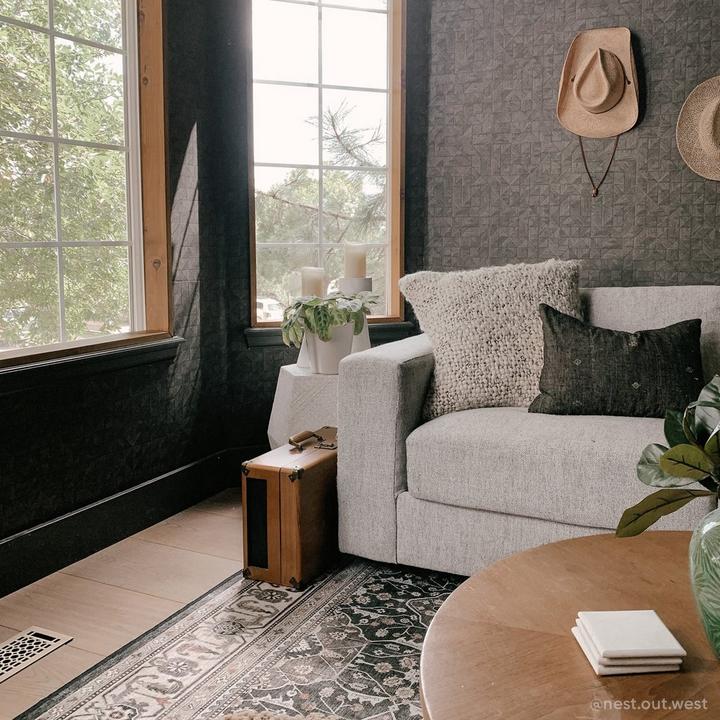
320,99
65,228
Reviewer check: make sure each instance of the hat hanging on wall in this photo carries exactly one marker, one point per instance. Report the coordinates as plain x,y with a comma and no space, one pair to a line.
698,129
598,95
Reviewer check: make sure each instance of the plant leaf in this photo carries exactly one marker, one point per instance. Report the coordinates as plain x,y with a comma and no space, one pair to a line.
689,424
698,420
712,446
674,433
648,511
650,472
686,461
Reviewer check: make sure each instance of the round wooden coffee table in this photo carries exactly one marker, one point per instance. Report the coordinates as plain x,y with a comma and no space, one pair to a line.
500,646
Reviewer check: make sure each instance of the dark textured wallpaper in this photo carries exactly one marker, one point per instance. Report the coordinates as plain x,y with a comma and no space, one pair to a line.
506,181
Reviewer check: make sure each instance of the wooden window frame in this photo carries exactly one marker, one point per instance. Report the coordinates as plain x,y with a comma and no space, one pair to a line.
155,207
396,176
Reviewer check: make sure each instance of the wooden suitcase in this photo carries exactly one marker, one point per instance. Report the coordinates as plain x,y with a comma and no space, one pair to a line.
289,500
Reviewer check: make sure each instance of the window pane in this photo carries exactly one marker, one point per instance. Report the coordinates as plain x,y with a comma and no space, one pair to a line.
97,20
27,205
29,310
285,41
286,205
354,207
92,194
89,93
333,260
354,128
354,48
97,298
32,11
365,4
278,274
285,124
24,81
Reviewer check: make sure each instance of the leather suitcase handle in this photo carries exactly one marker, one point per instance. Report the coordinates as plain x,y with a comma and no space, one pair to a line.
299,439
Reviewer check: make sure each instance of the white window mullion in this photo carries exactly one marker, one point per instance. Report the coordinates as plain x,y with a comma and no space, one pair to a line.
321,127
56,174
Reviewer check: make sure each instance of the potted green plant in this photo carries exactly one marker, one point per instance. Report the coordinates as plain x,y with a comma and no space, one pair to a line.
691,457
328,326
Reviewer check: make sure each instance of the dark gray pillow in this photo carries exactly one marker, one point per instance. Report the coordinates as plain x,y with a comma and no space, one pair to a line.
592,371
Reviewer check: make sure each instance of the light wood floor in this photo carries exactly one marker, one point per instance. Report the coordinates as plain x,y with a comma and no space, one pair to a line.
113,596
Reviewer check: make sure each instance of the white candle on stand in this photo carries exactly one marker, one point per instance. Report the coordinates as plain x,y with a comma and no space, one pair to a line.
313,281
355,261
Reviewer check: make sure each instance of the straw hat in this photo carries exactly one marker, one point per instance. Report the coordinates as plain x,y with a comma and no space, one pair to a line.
698,129
598,87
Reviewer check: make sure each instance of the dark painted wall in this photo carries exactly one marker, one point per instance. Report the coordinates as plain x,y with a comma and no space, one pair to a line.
66,446
506,181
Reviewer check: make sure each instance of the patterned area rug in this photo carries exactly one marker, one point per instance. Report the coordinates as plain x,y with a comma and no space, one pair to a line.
347,646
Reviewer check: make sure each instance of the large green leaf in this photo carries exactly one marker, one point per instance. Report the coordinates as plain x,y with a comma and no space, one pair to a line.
648,511
700,420
707,409
686,461
650,472
674,433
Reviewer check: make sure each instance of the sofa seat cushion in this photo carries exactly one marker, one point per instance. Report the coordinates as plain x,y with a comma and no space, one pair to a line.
575,469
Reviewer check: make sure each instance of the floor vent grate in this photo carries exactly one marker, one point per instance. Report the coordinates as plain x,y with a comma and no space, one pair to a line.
24,649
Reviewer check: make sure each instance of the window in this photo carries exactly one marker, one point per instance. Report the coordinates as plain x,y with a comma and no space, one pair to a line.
327,145
73,254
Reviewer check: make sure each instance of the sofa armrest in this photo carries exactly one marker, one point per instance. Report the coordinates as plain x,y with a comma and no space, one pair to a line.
381,393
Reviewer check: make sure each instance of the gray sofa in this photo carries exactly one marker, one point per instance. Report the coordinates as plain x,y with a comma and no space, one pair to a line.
466,489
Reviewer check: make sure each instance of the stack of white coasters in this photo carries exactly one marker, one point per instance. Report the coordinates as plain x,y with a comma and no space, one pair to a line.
627,641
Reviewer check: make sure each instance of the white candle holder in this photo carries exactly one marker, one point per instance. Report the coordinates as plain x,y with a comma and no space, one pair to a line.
350,286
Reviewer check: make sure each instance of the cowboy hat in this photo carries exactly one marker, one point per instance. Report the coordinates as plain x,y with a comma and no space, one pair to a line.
598,95
698,129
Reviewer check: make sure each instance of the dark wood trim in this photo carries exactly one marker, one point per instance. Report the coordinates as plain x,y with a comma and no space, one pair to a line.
34,553
379,333
50,371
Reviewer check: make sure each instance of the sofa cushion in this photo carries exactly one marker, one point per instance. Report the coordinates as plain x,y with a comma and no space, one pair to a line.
575,469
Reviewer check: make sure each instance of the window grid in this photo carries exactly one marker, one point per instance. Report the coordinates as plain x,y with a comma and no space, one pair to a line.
321,245
132,163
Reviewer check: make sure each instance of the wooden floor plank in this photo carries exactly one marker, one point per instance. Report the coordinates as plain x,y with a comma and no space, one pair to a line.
112,597
228,502
100,617
157,570
207,532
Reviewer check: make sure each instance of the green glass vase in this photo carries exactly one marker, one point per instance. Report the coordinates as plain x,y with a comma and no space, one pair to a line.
705,575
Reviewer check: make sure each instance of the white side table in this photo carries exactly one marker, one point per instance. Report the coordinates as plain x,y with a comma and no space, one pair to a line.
303,401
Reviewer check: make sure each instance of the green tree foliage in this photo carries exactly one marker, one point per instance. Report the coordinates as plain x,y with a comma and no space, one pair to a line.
92,183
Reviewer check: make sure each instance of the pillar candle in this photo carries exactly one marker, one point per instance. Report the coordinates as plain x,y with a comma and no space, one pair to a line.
313,281
355,261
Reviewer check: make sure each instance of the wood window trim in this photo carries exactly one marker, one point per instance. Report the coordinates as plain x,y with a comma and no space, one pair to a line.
396,194
155,206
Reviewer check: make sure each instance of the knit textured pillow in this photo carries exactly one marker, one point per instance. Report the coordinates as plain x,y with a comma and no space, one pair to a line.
486,331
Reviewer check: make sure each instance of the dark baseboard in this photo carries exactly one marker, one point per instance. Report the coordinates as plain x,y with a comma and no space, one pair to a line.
30,555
